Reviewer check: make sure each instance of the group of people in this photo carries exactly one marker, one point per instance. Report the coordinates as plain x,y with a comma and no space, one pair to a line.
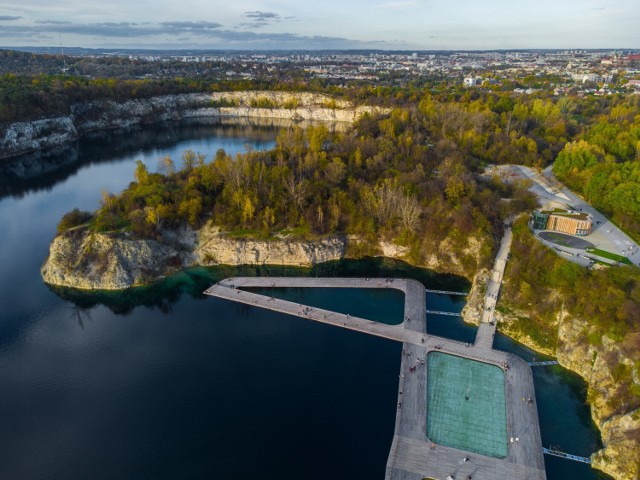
452,477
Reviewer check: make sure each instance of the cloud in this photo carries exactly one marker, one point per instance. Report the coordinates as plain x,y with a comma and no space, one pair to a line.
262,16
203,33
119,29
261,19
52,22
188,26
8,18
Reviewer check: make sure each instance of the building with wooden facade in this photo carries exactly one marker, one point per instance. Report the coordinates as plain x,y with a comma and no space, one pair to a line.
565,221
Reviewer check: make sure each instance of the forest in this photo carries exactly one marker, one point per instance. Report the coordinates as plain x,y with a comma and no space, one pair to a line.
603,165
448,132
408,175
384,178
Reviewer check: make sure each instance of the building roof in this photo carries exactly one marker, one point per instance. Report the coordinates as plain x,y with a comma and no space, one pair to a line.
577,215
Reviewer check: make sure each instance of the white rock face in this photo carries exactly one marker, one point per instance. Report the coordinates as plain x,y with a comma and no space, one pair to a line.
23,137
215,249
102,262
392,250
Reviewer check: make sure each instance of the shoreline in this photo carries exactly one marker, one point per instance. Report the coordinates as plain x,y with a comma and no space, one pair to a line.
20,138
475,284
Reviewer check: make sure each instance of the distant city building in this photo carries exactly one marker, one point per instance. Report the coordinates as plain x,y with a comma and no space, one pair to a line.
633,60
565,221
472,81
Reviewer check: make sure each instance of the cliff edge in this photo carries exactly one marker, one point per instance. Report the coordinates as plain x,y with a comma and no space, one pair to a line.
23,137
97,261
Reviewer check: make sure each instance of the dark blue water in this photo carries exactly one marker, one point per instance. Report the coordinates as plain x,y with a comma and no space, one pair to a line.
163,383
357,302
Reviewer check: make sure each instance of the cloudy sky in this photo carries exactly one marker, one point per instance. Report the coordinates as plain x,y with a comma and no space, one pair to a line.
330,24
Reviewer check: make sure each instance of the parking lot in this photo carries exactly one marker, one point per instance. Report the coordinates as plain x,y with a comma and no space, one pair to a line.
604,235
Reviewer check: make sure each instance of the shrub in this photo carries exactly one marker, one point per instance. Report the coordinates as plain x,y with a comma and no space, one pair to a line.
72,219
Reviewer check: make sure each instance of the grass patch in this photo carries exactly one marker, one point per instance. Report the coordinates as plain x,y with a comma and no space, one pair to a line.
247,233
297,232
611,256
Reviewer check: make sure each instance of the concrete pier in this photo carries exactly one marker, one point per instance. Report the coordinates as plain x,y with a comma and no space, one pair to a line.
413,456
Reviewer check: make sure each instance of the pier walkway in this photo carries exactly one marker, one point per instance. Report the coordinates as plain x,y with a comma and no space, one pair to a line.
544,363
438,312
413,456
447,292
568,456
487,328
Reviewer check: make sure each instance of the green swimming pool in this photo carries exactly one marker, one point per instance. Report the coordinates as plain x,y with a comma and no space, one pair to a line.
466,406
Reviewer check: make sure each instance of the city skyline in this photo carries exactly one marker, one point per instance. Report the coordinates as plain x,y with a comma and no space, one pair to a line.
283,24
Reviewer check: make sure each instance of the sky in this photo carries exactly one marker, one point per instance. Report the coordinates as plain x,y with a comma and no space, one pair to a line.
326,24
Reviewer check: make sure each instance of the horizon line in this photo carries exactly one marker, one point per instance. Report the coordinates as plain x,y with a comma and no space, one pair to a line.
280,50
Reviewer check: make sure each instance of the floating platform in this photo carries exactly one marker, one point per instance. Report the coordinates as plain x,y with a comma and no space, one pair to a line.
442,420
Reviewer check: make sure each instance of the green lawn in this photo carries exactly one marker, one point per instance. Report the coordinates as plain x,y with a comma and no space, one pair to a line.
611,256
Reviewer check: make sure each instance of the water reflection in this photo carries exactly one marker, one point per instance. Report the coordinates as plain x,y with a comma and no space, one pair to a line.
43,169
192,282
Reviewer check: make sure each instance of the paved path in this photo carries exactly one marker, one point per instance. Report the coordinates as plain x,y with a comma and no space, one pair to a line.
413,456
487,328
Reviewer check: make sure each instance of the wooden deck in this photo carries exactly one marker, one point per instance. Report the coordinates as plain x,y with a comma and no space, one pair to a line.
487,330
413,456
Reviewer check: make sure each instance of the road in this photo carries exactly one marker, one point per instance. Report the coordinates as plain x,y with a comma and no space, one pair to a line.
605,235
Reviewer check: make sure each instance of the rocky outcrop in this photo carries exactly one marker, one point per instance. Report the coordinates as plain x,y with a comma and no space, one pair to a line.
96,261
462,257
393,250
213,248
22,137
472,311
602,366
620,457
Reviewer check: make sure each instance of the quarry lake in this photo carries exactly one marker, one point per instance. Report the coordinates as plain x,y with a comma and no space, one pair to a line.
165,383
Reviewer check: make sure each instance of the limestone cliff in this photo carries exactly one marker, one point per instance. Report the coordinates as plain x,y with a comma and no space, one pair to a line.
22,137
602,366
95,261
472,311
213,248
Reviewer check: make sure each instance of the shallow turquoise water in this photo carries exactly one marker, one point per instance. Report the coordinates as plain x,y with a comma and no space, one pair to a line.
466,405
